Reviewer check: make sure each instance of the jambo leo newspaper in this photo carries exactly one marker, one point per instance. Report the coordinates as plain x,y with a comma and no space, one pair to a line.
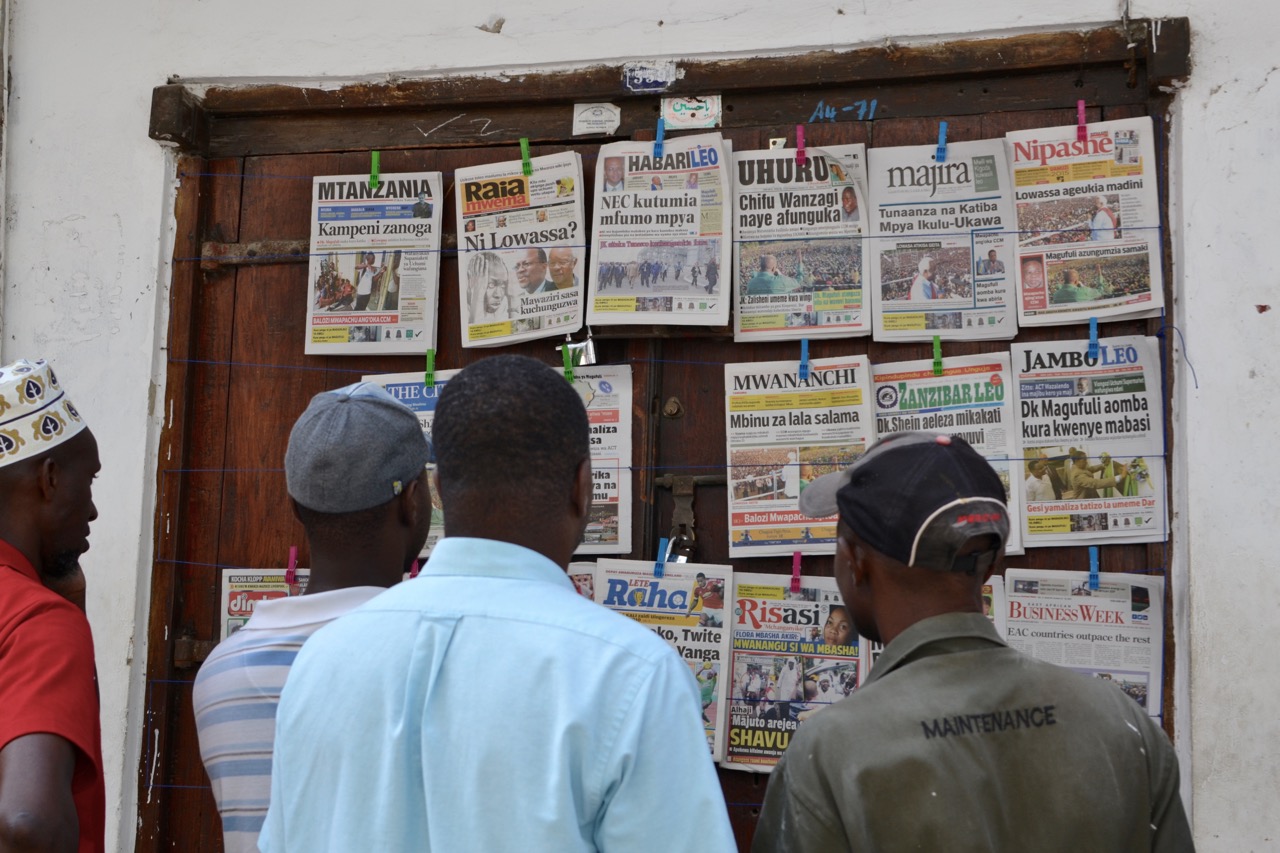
971,399
794,653
374,276
797,250
520,241
660,241
686,607
782,432
941,249
1088,222
1115,632
1090,441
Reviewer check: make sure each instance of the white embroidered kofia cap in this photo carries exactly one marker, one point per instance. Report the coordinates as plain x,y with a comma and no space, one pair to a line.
35,414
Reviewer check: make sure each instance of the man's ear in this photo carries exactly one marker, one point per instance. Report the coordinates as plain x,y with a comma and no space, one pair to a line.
580,496
408,508
996,567
47,478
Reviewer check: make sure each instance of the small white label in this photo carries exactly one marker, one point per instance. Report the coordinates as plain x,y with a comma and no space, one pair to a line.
685,113
596,118
649,76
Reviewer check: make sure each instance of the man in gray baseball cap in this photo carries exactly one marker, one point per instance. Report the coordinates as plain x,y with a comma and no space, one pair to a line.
957,742
356,473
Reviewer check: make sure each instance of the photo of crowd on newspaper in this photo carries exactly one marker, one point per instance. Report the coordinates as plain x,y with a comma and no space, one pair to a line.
1058,473
1089,279
776,473
1134,684
684,270
789,687
602,524
799,266
1069,220
358,281
918,272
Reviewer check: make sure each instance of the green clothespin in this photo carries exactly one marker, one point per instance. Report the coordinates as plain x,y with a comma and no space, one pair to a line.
375,165
525,164
568,362
429,378
937,355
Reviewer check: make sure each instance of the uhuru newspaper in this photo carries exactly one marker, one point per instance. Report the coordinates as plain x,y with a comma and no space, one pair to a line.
660,245
606,393
686,608
941,246
374,276
782,433
797,250
972,399
1090,440
243,589
1088,222
793,654
520,249
1114,632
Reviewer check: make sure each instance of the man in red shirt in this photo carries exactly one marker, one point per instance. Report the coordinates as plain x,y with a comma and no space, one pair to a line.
51,788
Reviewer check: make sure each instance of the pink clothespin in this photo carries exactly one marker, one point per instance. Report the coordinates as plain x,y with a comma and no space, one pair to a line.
800,155
291,573
795,571
413,570
1082,129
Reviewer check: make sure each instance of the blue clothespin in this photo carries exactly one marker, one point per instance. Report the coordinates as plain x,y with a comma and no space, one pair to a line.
937,355
375,166
1093,337
804,359
1093,567
429,377
941,154
658,569
525,165
657,140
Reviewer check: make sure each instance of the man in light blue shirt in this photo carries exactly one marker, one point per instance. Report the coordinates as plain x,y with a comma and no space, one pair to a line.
485,705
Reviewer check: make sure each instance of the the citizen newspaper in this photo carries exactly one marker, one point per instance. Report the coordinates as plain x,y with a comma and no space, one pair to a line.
972,399
242,589
1088,222
797,251
1091,433
782,432
1114,632
793,654
686,608
374,277
520,242
941,248
660,245
606,393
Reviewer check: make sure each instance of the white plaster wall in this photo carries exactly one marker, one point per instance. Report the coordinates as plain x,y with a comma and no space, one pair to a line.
89,200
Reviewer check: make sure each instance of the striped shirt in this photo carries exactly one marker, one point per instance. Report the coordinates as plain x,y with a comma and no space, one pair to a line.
235,698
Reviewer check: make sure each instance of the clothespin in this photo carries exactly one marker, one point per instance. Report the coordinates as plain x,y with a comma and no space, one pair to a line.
1082,129
1093,567
567,356
291,573
1093,337
658,569
941,154
804,359
414,569
800,155
525,165
375,165
580,354
795,571
657,140
429,377
937,355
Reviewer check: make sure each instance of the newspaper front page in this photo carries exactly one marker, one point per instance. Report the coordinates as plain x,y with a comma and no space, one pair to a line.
241,590
1115,632
797,250
972,399
782,433
583,575
941,249
686,607
794,654
520,242
660,241
1088,222
373,280
1091,441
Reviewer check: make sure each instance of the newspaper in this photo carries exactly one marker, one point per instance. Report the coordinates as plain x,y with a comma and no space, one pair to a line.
606,392
374,276
793,655
941,247
520,250
1090,441
971,399
240,591
1088,222
660,241
583,575
782,432
1114,632
797,250
686,608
